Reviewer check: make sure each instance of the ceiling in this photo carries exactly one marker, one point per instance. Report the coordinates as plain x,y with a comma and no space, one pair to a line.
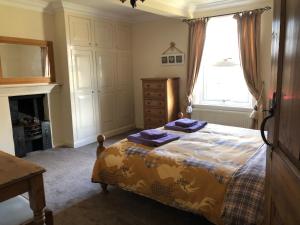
152,9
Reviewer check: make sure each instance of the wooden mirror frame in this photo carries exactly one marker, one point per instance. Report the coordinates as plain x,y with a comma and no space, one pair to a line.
29,79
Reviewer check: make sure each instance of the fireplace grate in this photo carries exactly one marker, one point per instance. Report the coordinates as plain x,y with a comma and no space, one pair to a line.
31,130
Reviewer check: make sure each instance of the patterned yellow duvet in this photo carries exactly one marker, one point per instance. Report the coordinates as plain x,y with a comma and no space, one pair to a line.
191,173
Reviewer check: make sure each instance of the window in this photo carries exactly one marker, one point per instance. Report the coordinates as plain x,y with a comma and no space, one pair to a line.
221,81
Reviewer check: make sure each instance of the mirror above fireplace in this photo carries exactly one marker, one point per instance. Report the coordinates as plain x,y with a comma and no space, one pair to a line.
26,61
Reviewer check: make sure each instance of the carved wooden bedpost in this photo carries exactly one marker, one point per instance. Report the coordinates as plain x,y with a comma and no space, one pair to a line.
100,149
180,115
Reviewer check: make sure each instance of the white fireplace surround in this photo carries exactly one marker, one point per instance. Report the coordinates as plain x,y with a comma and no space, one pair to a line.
6,91
25,89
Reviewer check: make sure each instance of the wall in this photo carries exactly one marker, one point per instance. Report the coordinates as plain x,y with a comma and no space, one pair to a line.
18,22
150,39
63,125
22,23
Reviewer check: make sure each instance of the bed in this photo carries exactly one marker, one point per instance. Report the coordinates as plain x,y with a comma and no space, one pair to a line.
217,172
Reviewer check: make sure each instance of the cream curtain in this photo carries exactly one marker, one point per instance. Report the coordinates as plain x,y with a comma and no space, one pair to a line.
197,31
249,24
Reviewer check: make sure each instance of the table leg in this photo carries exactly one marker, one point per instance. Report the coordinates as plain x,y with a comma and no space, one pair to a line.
37,199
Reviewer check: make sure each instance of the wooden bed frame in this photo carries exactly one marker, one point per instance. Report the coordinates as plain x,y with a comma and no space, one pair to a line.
100,149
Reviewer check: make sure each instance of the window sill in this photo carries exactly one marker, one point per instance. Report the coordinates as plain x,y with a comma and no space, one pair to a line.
222,108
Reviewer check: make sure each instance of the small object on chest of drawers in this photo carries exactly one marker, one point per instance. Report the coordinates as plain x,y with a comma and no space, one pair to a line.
161,101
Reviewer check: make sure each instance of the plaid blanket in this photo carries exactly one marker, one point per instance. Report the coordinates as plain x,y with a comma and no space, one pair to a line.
244,199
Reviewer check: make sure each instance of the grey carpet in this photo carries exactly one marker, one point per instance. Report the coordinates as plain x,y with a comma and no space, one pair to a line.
77,201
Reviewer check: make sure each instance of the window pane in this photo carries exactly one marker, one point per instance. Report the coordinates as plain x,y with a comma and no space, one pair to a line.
221,77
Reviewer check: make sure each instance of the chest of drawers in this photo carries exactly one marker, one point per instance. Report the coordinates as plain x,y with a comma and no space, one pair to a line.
161,101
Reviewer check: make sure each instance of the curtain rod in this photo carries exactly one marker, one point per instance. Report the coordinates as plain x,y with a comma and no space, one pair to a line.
227,14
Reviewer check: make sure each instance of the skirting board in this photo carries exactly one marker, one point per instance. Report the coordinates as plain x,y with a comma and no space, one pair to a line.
93,139
119,130
107,134
85,141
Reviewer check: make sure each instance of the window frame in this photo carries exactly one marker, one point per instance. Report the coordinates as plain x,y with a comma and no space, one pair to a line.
199,100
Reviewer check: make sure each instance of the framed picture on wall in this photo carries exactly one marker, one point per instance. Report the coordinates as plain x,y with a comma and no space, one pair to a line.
164,60
179,59
172,59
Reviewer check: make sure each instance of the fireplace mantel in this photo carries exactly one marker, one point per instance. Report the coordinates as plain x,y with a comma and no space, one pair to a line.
26,89
6,91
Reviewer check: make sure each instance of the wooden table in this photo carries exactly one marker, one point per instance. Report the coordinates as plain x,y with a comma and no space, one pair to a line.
18,176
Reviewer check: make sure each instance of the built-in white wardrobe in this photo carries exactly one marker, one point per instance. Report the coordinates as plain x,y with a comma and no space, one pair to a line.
97,90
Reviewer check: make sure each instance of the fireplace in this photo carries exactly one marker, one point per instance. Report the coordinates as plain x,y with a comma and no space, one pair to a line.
31,131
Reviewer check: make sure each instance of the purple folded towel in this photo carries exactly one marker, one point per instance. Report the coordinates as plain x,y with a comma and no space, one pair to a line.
185,122
199,125
137,138
153,134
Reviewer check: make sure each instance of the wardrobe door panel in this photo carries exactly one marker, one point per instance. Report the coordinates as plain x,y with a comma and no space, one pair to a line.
85,115
85,101
80,31
82,69
104,37
124,108
107,112
105,70
124,74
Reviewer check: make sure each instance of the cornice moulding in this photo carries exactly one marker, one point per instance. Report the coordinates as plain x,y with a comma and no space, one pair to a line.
45,7
34,5
161,8
227,4
86,10
157,7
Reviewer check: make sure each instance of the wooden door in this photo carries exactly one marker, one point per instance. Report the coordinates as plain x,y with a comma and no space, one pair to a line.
85,96
283,159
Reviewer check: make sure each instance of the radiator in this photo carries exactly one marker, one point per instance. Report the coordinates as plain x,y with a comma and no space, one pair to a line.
224,117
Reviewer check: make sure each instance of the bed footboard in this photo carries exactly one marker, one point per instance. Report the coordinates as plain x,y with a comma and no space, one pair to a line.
100,149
